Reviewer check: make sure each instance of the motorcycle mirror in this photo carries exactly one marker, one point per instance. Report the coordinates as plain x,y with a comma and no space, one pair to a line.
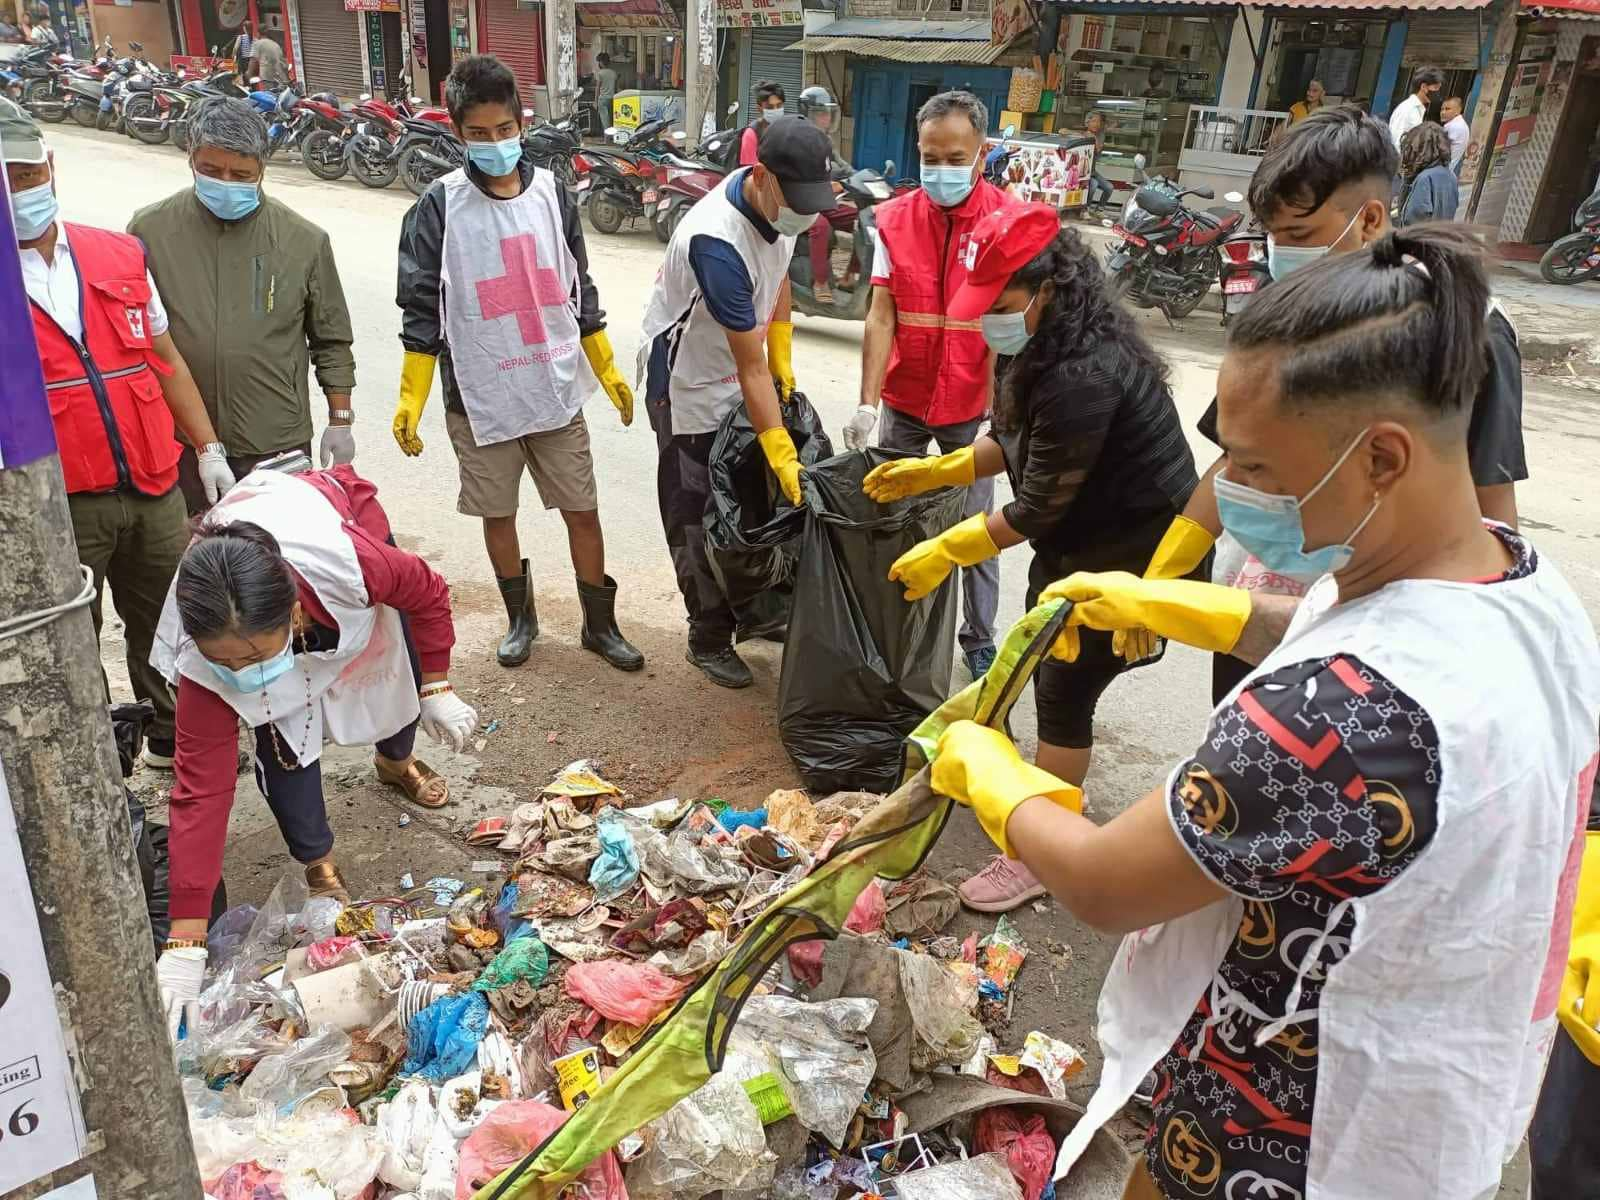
888,167
1008,131
733,108
1233,197
1139,161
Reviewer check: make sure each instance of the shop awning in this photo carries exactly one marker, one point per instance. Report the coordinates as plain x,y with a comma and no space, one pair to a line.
1590,7
1343,5
905,41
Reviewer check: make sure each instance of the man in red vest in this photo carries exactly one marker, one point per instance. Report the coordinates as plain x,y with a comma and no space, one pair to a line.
935,375
117,384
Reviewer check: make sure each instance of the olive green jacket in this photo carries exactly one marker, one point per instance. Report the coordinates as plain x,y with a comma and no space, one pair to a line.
252,304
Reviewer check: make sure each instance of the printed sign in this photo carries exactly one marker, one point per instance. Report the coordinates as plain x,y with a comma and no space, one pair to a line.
372,6
758,14
1048,173
41,1125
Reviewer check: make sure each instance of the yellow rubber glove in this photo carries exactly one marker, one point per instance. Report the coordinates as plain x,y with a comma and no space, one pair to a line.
780,358
778,446
979,767
1182,547
597,348
913,476
925,566
416,381
1203,615
1582,980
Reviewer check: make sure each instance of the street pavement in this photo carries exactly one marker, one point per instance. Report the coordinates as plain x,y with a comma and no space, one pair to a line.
1147,722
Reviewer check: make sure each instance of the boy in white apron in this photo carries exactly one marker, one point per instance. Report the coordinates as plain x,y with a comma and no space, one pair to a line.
494,281
1347,911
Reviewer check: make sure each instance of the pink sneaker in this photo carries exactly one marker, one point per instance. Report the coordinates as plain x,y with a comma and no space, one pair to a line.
1001,886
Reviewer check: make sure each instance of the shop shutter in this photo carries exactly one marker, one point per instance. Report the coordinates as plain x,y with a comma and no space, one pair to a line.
772,62
1447,40
330,46
394,56
515,32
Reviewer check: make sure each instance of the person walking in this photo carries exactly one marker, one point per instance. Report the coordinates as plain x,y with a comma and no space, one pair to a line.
1087,432
770,100
928,374
267,62
119,391
720,298
1312,103
1456,129
1431,191
294,611
1346,911
253,293
494,284
605,87
1426,84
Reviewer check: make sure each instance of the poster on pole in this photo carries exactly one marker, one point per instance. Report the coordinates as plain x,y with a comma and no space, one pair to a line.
758,14
41,1123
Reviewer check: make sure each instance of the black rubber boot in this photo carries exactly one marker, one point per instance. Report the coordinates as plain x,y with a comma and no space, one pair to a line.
723,667
600,632
517,592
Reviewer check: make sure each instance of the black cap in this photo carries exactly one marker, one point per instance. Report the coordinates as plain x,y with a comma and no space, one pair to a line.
799,154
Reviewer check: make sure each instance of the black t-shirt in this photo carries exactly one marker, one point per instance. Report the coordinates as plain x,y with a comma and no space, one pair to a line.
1094,448
1494,433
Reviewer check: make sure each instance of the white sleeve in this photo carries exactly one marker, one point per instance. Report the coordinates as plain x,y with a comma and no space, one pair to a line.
880,257
156,310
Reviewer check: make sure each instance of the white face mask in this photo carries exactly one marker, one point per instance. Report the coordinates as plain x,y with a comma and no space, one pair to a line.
791,224
1285,260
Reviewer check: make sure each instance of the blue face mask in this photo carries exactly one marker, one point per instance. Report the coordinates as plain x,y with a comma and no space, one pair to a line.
949,186
1269,526
1007,333
256,676
496,158
1285,260
227,201
33,211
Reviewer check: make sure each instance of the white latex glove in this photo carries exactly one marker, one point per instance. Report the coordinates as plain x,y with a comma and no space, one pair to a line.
338,445
448,719
215,475
179,973
859,426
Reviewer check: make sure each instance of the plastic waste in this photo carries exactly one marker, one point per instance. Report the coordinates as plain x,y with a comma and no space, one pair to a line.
326,1149
941,1008
790,812
247,1181
442,1041
572,856
619,990
279,1080
818,1051
618,865
733,819
710,1139
406,1125
983,1177
1025,1141
526,958
866,916
680,861
509,1132
861,667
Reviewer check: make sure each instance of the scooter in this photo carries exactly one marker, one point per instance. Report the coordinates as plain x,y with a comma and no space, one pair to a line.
864,189
1243,265
623,179
1576,257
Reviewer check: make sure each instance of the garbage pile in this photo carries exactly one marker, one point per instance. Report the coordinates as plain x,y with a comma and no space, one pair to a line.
413,1047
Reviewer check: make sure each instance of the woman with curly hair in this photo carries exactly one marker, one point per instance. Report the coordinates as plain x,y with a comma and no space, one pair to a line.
1086,430
1431,191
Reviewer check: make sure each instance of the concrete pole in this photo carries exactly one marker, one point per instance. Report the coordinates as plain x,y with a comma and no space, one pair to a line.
700,74
561,56
66,791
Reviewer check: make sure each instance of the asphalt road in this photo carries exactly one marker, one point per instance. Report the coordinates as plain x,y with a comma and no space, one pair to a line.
1147,722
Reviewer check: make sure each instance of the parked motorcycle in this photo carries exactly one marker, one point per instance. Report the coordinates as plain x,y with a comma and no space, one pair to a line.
553,144
1243,265
165,112
1169,255
323,150
864,189
42,71
687,178
623,178
1576,257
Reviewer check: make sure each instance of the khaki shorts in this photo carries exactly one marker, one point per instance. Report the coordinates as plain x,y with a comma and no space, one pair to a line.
491,476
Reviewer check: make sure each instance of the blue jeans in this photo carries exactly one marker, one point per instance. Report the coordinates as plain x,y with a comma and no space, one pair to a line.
1099,190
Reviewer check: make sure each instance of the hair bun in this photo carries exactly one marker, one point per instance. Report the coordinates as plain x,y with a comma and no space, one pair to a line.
1387,251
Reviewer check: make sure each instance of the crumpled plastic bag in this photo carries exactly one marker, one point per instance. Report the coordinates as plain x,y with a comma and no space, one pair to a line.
941,1012
279,1080
247,1181
818,1051
866,916
711,1139
406,1125
1025,1141
618,990
442,1041
509,1132
526,958
618,865
790,811
680,860
572,856
318,1153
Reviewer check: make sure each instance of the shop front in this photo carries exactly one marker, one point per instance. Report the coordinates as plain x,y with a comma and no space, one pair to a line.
209,28
331,47
441,35
148,22
513,30
642,40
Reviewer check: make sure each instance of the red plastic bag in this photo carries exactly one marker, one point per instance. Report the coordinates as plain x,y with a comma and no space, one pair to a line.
618,990
1029,1149
866,916
247,1181
513,1129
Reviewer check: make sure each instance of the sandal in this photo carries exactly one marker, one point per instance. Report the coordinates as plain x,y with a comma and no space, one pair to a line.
323,879
422,785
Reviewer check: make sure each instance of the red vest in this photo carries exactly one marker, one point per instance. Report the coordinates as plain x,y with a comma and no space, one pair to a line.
113,427
940,370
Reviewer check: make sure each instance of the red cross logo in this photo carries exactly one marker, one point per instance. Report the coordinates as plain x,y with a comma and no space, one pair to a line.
523,290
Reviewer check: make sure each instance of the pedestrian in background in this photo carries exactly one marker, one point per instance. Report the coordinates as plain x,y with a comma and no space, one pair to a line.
267,63
605,85
1301,109
253,293
1456,129
119,389
1431,192
1100,190
770,100
1426,84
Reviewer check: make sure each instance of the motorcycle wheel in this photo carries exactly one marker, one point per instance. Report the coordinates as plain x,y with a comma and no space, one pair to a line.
1192,293
660,227
85,114
414,172
1564,261
374,172
323,155
105,119
138,110
180,134
605,214
38,100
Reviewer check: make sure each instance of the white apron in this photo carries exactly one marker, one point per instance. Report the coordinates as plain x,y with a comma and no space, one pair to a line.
362,691
508,287
705,379
1433,1029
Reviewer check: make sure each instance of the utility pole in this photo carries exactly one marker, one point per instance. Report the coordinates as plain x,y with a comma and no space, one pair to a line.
700,68
65,788
561,69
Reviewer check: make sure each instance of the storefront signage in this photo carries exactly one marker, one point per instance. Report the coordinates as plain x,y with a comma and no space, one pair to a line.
628,14
1048,173
1010,17
372,6
757,14
194,64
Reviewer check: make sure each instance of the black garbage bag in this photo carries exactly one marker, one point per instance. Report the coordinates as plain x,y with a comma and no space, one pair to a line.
750,527
861,667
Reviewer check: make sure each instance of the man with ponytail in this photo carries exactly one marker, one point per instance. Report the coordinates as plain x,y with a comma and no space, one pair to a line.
1347,911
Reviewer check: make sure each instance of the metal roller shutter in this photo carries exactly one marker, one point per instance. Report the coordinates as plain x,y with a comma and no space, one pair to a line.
515,32
394,58
330,47
771,62
1447,40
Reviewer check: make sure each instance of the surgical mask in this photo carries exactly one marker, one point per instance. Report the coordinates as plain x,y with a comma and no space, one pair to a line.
227,201
1285,260
949,186
1007,333
791,224
33,211
256,676
1269,526
496,158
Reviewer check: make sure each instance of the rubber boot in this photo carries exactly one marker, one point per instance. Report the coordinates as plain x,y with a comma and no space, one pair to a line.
600,632
517,592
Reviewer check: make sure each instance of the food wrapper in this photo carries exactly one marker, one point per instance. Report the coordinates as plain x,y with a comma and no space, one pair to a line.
1055,1061
1001,954
579,780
